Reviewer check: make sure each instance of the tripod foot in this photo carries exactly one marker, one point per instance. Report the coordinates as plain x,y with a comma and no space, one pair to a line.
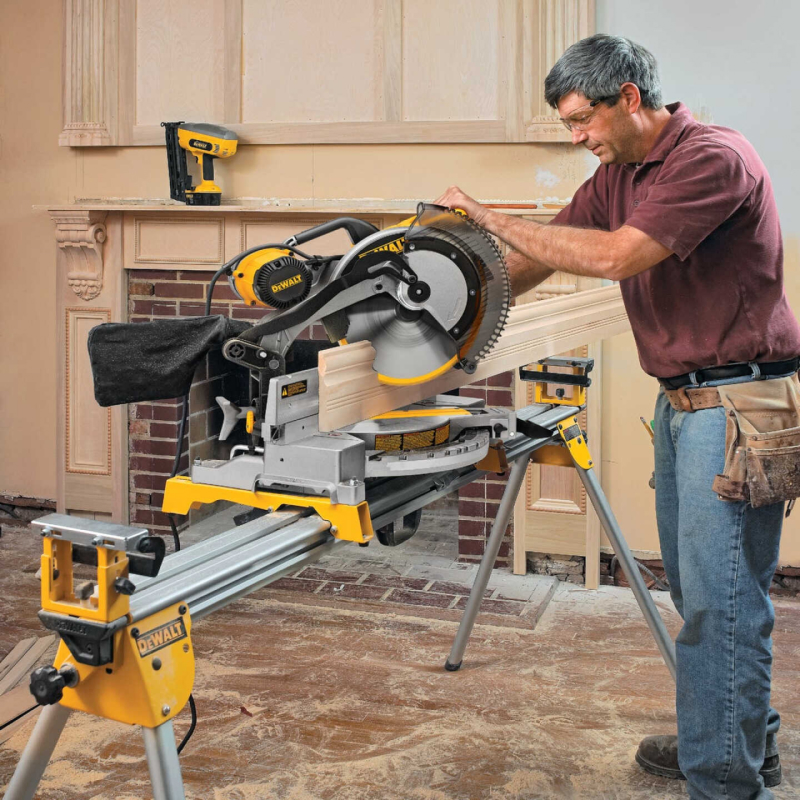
452,667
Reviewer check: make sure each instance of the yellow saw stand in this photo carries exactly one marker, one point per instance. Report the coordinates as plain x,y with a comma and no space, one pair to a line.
126,651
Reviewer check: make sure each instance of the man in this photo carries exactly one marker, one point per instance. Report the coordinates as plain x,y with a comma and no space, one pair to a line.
683,216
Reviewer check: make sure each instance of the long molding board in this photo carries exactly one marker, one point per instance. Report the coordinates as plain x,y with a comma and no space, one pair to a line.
349,389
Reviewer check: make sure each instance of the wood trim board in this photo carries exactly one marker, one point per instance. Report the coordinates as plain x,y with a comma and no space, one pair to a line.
349,389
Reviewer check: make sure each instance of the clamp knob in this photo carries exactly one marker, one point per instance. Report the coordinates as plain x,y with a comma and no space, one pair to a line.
47,683
124,586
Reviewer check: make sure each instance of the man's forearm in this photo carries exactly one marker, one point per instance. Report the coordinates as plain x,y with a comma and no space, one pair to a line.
525,273
574,250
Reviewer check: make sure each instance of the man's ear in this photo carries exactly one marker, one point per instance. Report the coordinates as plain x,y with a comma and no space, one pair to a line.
631,97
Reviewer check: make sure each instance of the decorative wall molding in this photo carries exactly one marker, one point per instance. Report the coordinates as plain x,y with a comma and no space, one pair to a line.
555,24
179,233
87,426
80,236
91,33
118,87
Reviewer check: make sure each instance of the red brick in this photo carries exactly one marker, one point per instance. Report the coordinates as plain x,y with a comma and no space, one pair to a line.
296,585
180,289
494,491
468,391
499,397
470,547
448,587
159,465
474,489
142,410
164,430
316,573
153,447
467,559
352,590
503,379
411,598
395,581
142,288
201,275
139,319
157,499
471,508
199,309
168,413
469,527
223,291
243,312
142,499
164,310
141,307
142,516
144,481
507,607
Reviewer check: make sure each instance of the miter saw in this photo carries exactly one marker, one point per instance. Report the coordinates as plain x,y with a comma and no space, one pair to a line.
430,294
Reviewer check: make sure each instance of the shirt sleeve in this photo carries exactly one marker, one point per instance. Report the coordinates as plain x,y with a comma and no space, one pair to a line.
589,206
699,187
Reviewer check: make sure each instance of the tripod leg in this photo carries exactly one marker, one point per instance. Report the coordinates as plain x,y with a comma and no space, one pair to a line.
37,752
504,512
163,763
612,529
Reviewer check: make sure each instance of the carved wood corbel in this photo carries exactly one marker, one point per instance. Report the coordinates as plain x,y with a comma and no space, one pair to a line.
80,236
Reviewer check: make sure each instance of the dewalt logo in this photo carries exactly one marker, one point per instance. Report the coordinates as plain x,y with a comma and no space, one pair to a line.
293,281
393,247
163,636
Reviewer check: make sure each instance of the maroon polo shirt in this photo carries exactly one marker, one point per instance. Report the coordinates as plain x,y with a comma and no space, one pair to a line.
702,192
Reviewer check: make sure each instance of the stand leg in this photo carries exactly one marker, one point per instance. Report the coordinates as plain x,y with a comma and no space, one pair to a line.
163,763
640,591
504,512
37,752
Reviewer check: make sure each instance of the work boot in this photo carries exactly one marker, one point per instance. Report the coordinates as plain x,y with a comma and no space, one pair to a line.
658,755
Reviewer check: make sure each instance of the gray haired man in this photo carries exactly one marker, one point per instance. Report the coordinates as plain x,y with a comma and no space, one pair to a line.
682,214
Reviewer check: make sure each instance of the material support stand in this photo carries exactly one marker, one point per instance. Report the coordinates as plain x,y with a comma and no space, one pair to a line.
600,503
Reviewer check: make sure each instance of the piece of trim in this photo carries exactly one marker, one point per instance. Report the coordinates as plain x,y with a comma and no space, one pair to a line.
349,389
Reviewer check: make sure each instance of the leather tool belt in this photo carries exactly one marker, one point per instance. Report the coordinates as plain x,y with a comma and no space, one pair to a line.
697,399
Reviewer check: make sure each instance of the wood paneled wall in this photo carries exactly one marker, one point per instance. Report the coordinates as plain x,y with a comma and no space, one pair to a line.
314,71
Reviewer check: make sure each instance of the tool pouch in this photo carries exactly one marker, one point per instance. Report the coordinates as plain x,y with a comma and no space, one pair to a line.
762,442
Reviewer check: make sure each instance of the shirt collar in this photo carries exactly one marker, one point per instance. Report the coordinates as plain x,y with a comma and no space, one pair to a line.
680,118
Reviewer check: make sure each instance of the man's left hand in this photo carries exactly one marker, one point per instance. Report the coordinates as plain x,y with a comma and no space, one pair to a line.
455,198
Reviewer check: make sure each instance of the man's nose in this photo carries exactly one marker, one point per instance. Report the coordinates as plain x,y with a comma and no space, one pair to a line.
579,136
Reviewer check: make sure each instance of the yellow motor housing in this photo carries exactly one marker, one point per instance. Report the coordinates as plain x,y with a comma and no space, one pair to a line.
244,276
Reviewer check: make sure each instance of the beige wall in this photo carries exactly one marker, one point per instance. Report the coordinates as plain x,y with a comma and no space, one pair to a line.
35,170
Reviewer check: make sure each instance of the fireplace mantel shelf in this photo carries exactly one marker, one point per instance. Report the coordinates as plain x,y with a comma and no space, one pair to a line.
304,206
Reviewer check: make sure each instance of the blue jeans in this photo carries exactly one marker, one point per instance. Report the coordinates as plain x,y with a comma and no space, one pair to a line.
719,558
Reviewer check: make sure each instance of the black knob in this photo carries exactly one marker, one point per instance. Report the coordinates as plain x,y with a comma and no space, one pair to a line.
47,685
124,586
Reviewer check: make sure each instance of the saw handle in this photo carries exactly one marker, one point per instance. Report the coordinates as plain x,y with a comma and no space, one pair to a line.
358,229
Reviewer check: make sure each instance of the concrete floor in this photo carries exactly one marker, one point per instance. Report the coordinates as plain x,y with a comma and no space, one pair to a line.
302,696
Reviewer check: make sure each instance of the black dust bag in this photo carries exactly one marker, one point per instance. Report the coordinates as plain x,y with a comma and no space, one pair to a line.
133,362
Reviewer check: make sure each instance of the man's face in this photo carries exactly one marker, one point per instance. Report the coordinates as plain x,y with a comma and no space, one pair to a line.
608,131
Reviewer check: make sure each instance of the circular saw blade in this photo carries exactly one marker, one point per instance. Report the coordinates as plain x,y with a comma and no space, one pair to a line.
459,321
408,348
487,267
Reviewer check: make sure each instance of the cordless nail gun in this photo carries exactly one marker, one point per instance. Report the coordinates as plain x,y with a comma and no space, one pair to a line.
205,142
